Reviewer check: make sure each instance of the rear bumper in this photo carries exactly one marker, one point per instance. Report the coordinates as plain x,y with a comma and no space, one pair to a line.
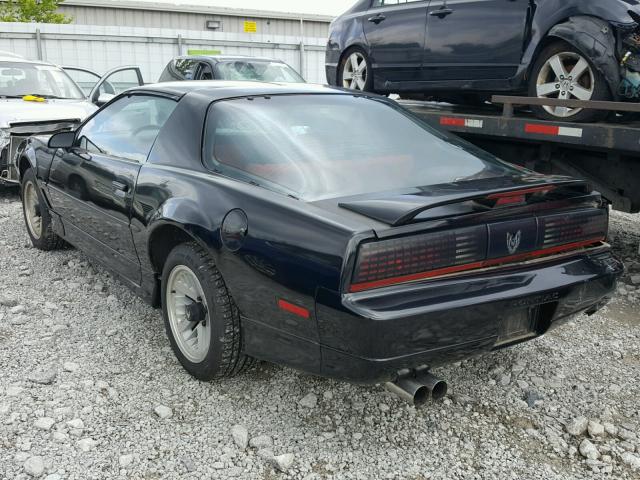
373,334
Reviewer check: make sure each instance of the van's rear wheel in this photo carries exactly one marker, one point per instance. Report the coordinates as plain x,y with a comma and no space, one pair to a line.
201,319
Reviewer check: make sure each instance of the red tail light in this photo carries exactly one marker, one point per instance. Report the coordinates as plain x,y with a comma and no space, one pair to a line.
416,257
406,256
568,228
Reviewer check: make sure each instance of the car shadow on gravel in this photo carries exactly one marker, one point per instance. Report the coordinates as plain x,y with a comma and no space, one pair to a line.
9,192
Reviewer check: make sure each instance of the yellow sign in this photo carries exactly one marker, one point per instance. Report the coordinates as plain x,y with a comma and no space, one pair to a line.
250,27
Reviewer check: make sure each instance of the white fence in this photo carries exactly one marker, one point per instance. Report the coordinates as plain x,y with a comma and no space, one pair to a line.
100,48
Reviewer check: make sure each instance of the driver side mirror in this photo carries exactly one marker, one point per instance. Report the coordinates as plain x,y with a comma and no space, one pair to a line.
104,98
62,140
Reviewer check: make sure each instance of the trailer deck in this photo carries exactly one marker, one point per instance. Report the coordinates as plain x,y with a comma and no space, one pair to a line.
605,153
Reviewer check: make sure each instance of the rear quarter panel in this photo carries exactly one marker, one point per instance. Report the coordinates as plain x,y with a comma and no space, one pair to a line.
290,251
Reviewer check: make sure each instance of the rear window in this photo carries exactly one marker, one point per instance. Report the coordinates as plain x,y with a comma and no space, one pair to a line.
324,146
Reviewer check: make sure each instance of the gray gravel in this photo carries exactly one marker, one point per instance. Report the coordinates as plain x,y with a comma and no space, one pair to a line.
89,388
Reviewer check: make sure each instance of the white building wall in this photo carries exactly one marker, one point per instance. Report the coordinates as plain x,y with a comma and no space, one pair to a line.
100,48
148,18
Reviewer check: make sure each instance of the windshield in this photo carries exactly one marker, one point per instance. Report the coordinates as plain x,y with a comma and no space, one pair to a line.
325,146
261,71
18,79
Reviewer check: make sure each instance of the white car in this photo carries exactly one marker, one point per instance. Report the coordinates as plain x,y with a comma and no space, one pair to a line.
38,97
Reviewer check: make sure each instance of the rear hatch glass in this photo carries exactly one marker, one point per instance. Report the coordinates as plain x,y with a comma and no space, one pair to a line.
316,147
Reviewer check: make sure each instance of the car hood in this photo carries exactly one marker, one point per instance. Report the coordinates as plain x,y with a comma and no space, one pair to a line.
18,110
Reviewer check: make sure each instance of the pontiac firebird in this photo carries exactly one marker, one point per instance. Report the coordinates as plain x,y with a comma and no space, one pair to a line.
323,229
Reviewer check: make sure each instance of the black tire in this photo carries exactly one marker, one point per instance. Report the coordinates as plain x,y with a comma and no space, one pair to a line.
601,89
224,357
368,83
48,239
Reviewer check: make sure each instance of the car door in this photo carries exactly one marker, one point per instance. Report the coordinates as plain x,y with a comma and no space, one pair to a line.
474,39
395,33
86,79
91,185
114,82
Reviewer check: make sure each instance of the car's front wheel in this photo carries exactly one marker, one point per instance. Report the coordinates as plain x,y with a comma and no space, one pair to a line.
201,318
354,71
563,72
36,215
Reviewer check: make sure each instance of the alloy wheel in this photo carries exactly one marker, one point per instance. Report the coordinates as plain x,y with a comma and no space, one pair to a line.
188,313
32,210
566,75
354,73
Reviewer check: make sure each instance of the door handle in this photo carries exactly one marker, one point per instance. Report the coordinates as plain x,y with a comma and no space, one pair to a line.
443,12
120,188
377,19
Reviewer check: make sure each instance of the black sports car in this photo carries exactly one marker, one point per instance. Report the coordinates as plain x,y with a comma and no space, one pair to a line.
323,229
464,50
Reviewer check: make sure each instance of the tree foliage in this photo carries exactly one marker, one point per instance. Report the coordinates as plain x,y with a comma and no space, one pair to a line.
32,11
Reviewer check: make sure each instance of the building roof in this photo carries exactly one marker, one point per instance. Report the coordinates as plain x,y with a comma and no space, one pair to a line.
201,9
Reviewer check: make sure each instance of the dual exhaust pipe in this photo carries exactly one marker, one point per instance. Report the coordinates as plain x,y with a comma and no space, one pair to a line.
418,387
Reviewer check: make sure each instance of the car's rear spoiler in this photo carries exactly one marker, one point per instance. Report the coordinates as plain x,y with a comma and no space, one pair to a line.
397,210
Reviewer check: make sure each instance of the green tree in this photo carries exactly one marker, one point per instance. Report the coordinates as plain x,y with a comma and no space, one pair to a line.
33,11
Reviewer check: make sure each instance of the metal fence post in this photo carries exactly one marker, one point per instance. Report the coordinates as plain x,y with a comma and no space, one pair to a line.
179,44
302,53
39,44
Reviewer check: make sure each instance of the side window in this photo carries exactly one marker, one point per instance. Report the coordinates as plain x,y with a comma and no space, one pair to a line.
84,79
186,69
205,72
127,128
118,82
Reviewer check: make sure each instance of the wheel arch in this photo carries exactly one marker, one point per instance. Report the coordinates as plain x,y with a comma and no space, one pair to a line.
350,48
593,37
26,156
164,237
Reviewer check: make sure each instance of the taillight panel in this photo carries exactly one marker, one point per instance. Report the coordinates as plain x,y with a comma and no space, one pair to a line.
419,253
415,257
573,227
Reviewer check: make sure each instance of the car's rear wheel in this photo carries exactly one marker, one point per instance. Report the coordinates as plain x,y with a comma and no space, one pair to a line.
201,318
355,71
36,215
563,72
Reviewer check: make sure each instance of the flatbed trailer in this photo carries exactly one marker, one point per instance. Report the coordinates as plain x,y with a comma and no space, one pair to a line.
606,153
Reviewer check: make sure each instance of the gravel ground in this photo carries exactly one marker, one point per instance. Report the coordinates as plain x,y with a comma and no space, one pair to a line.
89,388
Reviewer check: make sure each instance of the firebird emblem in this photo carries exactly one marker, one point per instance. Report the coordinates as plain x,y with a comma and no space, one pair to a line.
513,241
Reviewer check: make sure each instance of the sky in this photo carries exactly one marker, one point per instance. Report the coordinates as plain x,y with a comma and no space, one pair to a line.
324,7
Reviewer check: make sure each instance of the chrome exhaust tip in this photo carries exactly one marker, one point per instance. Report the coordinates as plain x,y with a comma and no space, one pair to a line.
417,388
409,390
437,387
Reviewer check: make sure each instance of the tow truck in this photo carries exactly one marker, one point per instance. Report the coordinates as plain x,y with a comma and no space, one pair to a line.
607,153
